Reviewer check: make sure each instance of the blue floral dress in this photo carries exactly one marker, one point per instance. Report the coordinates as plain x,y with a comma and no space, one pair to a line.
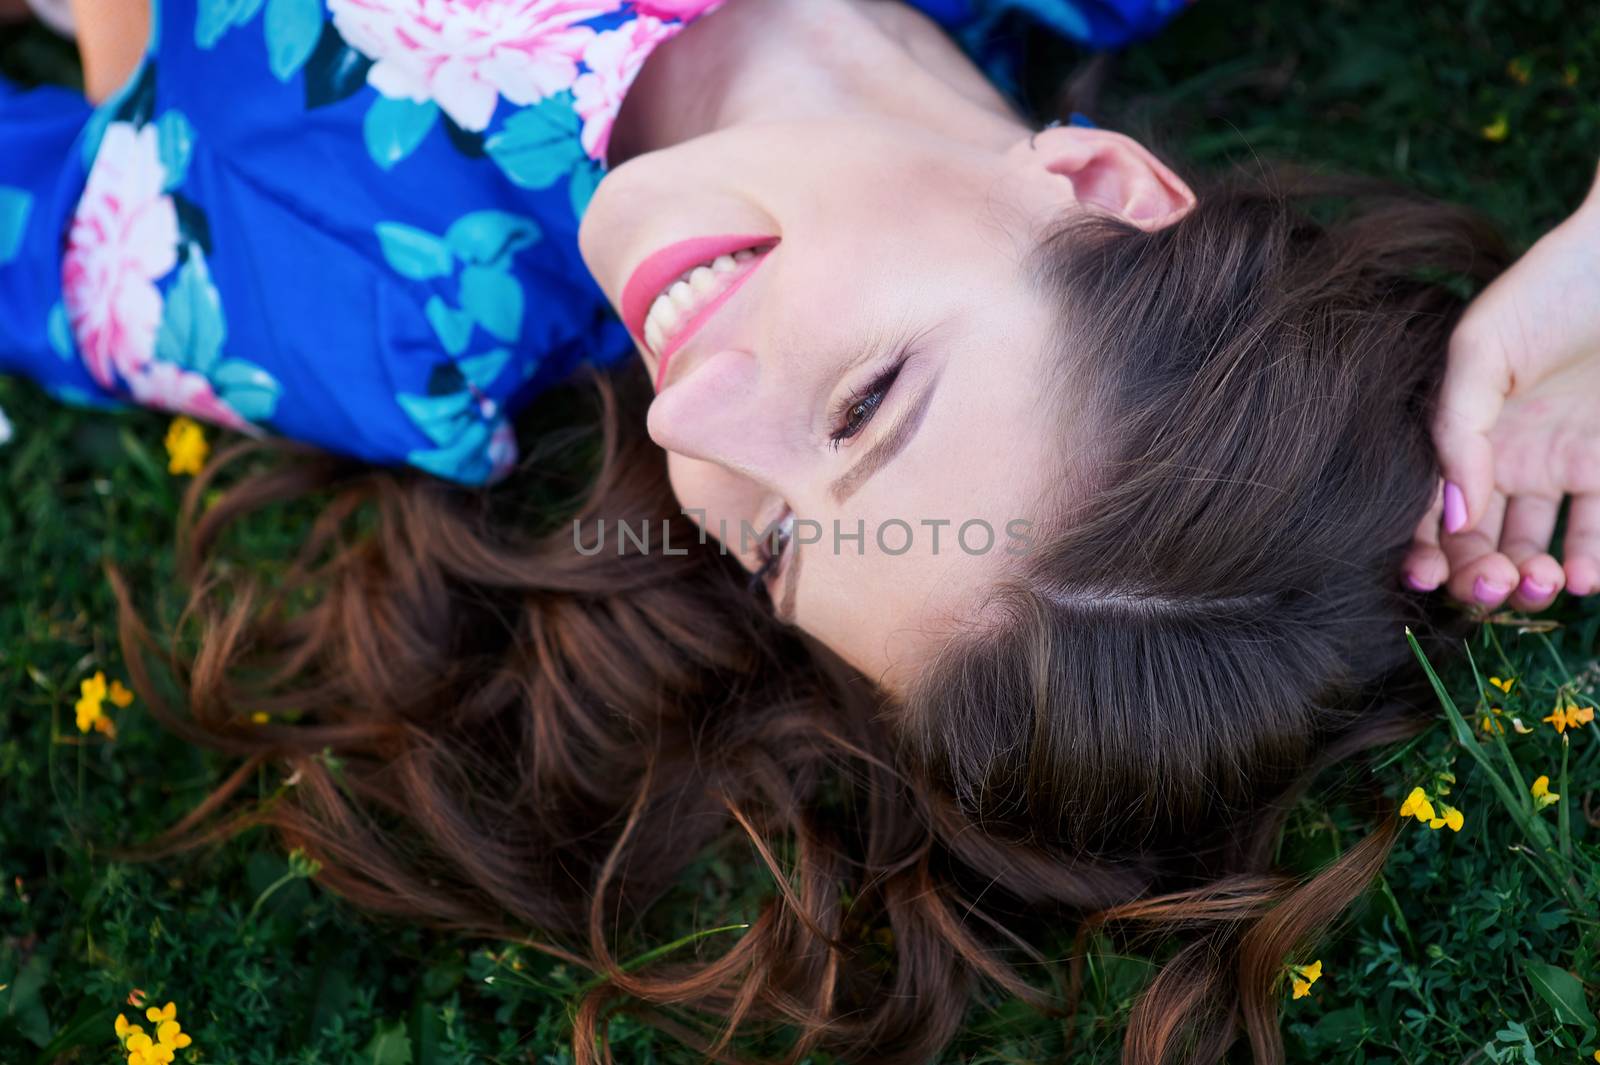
353,222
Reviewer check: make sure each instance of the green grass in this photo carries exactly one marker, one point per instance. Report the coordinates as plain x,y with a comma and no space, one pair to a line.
1478,945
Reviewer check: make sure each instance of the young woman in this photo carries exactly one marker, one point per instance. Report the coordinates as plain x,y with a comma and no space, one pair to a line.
1193,416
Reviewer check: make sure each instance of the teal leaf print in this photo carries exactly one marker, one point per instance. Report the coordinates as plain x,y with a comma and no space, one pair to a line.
441,418
213,18
481,371
414,253
247,388
538,144
490,238
59,330
581,189
462,459
494,298
456,417
16,205
193,329
394,128
452,325
293,28
175,136
334,70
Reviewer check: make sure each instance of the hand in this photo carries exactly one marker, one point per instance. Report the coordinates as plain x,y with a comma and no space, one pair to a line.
1518,430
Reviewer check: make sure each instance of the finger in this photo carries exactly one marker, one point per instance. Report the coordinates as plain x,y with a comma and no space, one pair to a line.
1525,535
1582,546
1426,567
1479,574
1471,396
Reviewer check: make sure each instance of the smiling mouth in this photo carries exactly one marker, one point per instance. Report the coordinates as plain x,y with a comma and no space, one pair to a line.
689,300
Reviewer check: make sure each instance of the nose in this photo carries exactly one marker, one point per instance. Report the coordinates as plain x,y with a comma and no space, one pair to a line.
720,411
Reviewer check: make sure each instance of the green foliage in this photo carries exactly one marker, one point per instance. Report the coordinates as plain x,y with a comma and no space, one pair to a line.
1478,944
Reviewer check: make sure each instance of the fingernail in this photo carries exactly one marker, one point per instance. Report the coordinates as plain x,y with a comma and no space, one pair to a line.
1455,508
1532,589
1488,592
1418,585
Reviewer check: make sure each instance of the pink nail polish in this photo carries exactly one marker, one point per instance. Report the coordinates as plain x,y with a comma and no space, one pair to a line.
1417,585
1532,589
1488,592
1455,508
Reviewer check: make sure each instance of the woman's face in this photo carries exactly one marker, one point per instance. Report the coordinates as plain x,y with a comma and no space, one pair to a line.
861,353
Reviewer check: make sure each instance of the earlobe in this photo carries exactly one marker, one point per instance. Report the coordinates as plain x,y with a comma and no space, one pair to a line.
1112,172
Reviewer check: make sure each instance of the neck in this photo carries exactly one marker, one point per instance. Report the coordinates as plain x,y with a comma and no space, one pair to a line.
786,60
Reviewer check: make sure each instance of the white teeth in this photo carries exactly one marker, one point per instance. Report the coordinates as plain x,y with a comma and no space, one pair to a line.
682,298
665,315
702,281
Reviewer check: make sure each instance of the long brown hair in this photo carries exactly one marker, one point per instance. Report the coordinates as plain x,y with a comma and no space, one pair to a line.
527,738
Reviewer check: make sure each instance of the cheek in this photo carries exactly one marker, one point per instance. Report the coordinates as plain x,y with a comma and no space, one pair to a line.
693,482
709,494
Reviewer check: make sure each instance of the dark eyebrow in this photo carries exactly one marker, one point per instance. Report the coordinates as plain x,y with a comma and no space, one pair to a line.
890,445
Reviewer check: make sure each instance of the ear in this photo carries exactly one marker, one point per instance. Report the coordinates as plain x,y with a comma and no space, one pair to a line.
1110,171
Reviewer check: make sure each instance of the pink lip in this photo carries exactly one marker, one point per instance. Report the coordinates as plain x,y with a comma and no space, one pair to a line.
665,267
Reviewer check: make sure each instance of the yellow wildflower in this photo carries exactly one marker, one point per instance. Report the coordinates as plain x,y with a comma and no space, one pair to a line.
1449,817
168,1033
1542,795
165,1013
1504,684
91,702
1487,722
1304,976
1497,130
186,446
1417,805
261,717
1519,70
143,1051
1570,715
126,1030
120,696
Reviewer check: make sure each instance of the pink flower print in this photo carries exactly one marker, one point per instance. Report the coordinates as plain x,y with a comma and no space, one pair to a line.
466,54
167,386
614,59
685,10
123,238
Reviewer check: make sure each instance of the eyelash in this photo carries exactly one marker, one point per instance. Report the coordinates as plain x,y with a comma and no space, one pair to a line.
871,398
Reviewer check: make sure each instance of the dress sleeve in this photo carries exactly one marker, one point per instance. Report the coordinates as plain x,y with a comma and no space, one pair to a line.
41,176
